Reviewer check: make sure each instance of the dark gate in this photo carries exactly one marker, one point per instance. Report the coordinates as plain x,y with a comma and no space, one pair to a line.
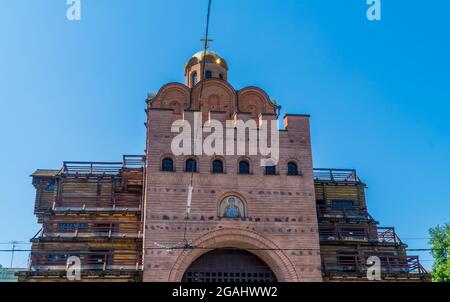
229,265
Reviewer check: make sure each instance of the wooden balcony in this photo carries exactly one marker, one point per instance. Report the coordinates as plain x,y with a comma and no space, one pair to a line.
92,204
92,229
91,261
354,263
359,233
357,213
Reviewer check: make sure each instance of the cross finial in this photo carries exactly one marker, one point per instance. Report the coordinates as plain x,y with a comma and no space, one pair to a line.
206,42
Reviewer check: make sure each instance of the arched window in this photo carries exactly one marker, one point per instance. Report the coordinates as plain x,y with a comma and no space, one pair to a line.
194,78
292,169
217,166
208,74
244,167
221,76
191,165
232,207
271,170
167,165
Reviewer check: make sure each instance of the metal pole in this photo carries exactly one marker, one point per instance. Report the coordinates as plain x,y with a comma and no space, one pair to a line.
12,253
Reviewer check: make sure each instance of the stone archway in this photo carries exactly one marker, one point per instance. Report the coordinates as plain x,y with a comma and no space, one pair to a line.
245,240
229,265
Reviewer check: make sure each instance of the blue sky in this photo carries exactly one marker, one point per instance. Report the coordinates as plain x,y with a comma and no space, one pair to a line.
378,92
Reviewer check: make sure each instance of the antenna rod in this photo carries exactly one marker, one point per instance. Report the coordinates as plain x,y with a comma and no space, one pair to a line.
188,211
12,253
205,47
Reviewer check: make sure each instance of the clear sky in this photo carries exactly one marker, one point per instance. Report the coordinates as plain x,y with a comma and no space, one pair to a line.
378,92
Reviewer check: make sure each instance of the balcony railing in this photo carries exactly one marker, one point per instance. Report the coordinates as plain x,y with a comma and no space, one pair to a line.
115,203
336,175
90,229
133,161
103,168
47,261
382,235
349,213
350,263
388,235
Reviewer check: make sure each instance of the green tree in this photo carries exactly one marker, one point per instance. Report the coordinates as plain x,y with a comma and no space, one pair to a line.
440,245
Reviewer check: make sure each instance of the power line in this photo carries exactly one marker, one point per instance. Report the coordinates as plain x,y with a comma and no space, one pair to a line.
197,248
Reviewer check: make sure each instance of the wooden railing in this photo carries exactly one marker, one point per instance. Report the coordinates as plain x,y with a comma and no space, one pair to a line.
352,263
90,260
336,175
350,212
92,203
114,229
352,233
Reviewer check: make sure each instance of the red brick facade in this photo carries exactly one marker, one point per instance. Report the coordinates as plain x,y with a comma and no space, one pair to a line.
280,224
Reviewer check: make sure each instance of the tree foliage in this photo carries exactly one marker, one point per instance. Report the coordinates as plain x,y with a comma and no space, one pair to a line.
440,244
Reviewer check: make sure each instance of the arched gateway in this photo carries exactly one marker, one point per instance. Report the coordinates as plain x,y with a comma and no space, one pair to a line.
229,265
233,250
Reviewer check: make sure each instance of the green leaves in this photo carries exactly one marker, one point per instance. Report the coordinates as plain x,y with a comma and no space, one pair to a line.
440,243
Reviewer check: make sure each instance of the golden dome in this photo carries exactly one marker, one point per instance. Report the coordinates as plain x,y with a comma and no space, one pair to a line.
211,57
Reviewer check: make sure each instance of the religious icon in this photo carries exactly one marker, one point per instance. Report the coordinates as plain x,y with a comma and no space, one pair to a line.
232,210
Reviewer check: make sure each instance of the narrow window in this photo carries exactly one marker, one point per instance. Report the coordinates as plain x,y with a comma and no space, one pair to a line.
191,165
221,76
167,165
194,78
292,169
208,74
217,166
244,167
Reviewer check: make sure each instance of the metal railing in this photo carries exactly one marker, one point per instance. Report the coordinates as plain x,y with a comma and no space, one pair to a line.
338,175
351,263
133,161
388,235
351,233
103,168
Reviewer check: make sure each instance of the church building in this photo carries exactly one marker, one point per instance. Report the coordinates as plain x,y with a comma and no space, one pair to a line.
219,217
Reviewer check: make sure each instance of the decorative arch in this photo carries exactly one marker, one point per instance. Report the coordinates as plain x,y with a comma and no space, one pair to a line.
256,101
172,96
222,90
248,240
